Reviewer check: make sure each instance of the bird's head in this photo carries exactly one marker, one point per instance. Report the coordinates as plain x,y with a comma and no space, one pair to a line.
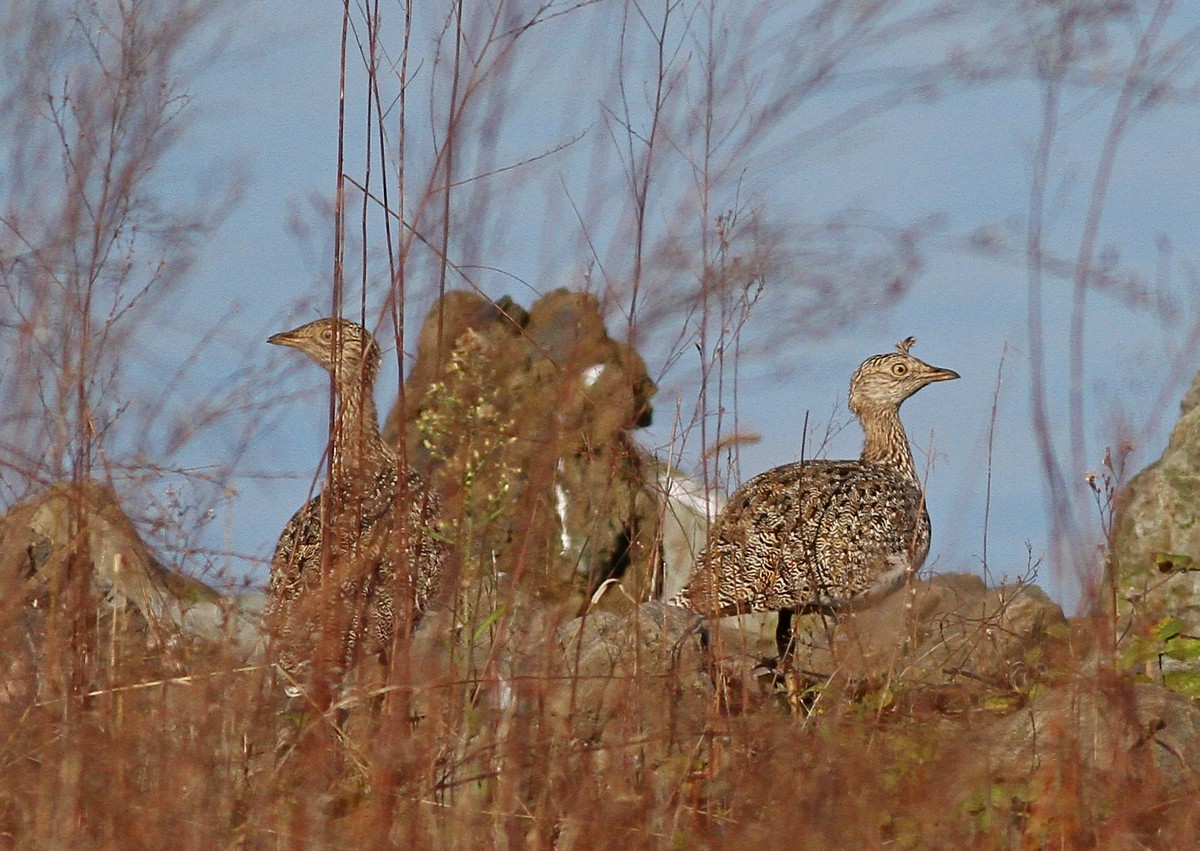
884,381
344,348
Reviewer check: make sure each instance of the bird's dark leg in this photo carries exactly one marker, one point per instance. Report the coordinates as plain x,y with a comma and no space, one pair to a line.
699,627
783,636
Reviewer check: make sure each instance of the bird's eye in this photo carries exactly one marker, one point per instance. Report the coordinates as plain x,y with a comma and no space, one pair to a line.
899,369
327,334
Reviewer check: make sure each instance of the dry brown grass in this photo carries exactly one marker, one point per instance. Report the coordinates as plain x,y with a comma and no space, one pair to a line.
194,763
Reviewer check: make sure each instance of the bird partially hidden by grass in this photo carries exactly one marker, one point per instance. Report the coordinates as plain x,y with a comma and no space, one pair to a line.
817,535
357,565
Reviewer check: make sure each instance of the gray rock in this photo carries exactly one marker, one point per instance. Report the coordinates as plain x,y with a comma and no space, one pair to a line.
1101,724
687,512
68,526
949,630
1155,554
631,671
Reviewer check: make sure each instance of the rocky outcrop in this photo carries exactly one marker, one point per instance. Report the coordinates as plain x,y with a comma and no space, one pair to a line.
950,635
627,672
80,530
1099,724
524,421
1155,552
946,642
945,630
1054,772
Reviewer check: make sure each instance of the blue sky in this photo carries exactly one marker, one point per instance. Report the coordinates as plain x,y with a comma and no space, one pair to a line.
267,112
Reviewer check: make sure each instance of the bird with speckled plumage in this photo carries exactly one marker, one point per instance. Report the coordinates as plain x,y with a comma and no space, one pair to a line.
819,535
356,565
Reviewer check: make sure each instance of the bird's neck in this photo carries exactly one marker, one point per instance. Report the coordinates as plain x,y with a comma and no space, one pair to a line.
885,442
358,445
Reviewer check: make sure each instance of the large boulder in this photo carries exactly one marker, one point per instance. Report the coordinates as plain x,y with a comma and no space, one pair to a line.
948,629
74,530
1155,552
524,421
1094,761
625,672
946,638
1101,723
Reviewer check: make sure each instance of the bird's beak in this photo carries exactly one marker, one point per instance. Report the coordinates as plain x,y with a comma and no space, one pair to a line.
284,338
936,373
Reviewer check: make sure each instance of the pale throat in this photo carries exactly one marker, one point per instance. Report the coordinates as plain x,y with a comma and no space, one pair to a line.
885,442
357,442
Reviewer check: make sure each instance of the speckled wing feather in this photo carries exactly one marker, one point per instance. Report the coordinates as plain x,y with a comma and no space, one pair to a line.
387,566
811,535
